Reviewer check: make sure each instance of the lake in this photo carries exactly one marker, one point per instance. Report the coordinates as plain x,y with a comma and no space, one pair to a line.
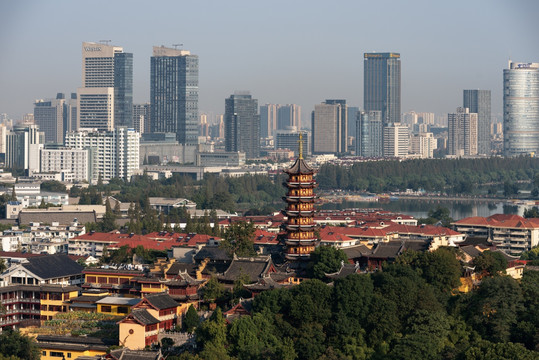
419,208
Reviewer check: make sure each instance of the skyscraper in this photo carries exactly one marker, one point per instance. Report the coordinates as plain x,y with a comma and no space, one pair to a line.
23,145
105,99
369,134
521,109
382,85
329,127
268,120
396,140
141,117
174,93
242,124
288,115
478,101
52,118
462,133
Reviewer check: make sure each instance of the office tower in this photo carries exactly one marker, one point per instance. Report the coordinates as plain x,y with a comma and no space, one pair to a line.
52,117
141,117
462,133
3,134
478,101
423,144
521,109
352,119
174,93
242,124
410,118
288,115
382,85
28,119
268,120
425,118
114,154
71,114
369,134
105,99
328,120
23,145
289,139
396,140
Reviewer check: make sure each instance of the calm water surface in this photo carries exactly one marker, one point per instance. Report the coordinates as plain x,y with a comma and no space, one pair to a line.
420,208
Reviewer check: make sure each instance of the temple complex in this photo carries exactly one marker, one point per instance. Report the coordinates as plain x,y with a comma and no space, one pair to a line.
300,236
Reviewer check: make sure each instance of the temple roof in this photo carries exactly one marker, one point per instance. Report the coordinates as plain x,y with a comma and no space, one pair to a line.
299,167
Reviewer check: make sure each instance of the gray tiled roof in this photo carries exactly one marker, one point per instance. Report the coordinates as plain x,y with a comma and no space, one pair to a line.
143,316
126,354
214,253
53,266
62,217
161,301
253,267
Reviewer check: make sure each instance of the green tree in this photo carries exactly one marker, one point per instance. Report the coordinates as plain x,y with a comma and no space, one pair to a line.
211,337
213,290
491,262
326,260
493,308
238,239
3,266
440,268
191,320
532,212
13,343
486,350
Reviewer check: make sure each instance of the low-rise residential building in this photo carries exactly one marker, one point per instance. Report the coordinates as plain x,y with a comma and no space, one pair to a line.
116,305
46,269
75,161
164,205
511,233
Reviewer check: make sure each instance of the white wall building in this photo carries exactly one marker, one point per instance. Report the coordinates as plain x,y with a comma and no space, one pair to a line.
424,145
76,161
115,153
396,140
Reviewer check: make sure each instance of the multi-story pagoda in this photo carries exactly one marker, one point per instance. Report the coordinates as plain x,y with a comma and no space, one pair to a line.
300,236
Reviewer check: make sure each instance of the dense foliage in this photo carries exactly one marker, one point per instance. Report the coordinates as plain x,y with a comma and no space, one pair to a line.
459,176
14,345
406,311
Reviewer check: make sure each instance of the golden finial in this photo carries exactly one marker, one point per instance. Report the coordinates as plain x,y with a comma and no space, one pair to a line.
300,141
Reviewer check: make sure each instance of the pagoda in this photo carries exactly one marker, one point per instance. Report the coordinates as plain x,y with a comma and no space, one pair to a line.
300,236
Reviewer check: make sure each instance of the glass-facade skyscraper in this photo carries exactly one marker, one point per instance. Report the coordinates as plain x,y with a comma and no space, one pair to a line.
242,124
382,85
174,93
521,109
369,134
478,101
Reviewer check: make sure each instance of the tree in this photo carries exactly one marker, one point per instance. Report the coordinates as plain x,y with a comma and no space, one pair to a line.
3,266
238,239
13,343
53,186
213,290
494,306
532,212
491,262
191,320
326,260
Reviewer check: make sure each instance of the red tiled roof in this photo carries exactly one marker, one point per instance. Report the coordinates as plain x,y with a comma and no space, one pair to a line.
265,237
501,221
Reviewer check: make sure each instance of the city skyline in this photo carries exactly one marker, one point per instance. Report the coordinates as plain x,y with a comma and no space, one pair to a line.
294,62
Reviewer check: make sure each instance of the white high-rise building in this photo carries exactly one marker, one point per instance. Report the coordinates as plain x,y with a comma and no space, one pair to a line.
116,152
424,145
76,161
396,140
23,145
462,133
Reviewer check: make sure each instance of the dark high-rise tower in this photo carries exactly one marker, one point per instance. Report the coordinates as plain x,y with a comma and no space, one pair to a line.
382,85
478,101
242,124
174,93
123,89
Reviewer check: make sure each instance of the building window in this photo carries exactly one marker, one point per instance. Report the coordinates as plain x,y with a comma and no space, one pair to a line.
56,354
105,308
123,310
44,353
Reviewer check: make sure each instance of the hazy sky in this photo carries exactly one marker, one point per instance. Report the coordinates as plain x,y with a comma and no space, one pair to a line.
282,51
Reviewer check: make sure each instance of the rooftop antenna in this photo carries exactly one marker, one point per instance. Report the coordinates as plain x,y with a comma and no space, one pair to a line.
105,42
176,46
